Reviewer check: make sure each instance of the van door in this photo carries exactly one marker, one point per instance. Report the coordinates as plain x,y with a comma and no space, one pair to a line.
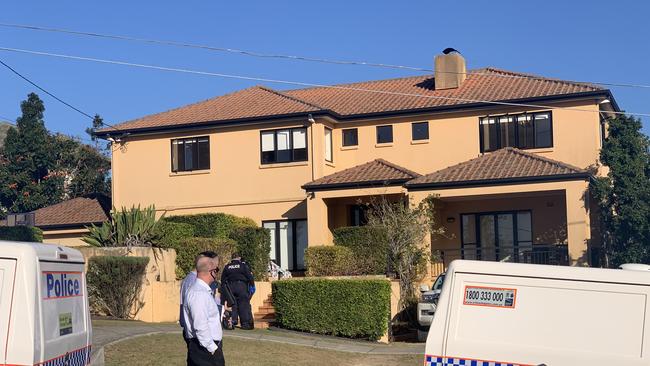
64,312
7,272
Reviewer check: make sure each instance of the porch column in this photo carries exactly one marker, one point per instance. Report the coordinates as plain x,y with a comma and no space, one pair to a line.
317,221
578,223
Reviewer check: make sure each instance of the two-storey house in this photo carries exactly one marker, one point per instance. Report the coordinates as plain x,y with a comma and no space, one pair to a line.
510,156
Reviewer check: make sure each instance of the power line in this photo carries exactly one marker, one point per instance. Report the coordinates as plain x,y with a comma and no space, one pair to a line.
299,58
50,94
305,84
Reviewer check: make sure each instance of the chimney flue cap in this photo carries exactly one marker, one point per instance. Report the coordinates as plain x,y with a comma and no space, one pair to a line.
449,50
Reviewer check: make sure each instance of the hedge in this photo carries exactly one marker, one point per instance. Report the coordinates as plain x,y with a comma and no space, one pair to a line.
213,225
330,260
369,246
187,249
21,233
171,233
254,245
355,308
114,284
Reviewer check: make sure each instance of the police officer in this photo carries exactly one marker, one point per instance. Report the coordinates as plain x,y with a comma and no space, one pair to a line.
239,279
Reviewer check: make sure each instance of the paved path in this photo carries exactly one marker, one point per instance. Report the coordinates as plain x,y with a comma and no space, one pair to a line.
109,331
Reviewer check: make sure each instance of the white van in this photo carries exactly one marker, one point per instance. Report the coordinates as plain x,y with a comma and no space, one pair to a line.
44,317
492,313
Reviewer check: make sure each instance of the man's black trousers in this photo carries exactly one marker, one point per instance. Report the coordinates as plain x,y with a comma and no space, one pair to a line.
242,306
197,355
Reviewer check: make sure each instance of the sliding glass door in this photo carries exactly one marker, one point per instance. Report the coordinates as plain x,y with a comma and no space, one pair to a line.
496,236
288,243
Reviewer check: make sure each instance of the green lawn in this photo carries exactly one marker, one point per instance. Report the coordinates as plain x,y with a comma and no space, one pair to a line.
169,349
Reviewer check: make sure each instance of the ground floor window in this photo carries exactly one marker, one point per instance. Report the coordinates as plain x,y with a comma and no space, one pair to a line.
496,236
288,243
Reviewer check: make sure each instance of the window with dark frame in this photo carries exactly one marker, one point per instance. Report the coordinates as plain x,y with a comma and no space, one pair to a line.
283,146
351,137
190,154
523,131
419,131
384,134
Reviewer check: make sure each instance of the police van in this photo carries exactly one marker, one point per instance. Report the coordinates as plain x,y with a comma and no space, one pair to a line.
492,313
44,316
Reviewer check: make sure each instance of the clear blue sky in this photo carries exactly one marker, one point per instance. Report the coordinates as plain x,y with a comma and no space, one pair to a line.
596,40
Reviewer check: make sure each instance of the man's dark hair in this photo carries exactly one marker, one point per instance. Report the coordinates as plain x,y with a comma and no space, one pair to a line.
208,253
235,255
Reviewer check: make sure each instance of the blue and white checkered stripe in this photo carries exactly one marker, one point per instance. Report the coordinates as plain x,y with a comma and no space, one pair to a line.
80,357
455,361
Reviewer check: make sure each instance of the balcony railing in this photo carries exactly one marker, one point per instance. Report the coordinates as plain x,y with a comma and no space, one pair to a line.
552,254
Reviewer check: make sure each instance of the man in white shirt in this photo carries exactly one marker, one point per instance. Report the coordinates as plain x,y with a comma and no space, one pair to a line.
203,317
187,283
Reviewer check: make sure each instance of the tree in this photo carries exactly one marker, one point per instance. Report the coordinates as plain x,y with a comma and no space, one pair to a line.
406,227
624,195
28,176
85,168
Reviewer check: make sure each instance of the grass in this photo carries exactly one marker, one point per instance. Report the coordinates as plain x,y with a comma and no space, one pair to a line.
169,349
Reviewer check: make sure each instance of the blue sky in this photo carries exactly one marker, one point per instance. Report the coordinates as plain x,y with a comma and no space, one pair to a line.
593,40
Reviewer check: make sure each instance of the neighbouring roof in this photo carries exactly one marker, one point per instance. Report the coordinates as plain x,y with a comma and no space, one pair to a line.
504,165
78,211
378,172
347,101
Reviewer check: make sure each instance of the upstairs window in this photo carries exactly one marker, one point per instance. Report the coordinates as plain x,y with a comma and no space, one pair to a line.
419,131
284,146
328,145
524,131
190,154
384,134
350,137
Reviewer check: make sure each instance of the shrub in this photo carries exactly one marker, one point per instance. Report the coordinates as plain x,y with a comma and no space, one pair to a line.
171,233
114,284
21,233
330,261
187,249
369,246
355,308
254,245
213,225
127,227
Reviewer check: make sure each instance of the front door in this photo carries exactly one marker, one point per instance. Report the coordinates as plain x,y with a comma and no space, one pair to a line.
496,236
288,243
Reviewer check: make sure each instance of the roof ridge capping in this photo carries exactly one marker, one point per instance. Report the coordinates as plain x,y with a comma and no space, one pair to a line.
544,159
290,97
536,77
399,168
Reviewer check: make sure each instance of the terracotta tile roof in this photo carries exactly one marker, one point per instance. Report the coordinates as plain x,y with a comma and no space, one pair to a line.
376,172
77,211
488,84
257,101
504,164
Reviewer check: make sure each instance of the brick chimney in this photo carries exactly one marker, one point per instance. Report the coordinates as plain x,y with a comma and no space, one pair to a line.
449,69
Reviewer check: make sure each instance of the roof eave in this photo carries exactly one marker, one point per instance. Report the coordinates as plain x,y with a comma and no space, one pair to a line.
355,185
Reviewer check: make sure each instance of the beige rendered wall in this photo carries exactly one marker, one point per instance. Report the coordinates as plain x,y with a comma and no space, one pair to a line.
68,238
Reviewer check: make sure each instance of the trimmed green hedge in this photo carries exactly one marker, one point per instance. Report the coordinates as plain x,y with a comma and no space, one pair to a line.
369,246
254,245
21,233
187,249
114,284
213,225
171,233
354,308
330,260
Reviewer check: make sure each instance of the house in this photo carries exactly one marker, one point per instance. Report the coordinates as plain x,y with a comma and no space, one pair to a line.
510,156
66,222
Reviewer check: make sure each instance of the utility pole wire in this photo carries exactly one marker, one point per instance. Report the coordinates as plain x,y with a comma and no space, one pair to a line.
50,94
305,84
298,58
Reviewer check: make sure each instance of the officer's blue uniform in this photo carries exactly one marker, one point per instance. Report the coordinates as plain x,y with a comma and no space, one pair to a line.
239,278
